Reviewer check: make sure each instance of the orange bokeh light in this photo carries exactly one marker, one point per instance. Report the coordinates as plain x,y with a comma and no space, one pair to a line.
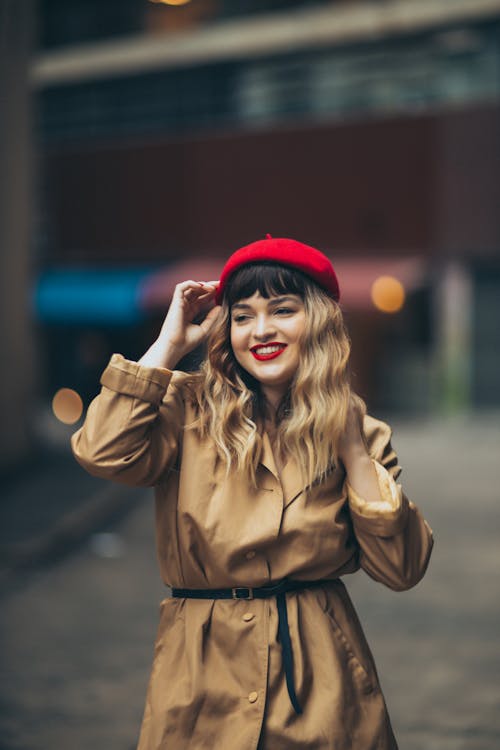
67,406
388,294
171,2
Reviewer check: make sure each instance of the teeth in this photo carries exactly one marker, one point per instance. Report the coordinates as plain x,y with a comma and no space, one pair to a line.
268,349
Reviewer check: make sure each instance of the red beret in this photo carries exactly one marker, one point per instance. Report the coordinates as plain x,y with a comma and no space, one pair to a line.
287,252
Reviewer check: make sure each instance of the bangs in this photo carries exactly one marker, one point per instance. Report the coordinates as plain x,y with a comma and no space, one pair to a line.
269,279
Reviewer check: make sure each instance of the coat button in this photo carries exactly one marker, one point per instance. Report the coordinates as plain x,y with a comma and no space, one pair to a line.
252,697
248,616
250,554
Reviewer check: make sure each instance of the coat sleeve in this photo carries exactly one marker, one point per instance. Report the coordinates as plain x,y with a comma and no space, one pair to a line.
132,429
394,538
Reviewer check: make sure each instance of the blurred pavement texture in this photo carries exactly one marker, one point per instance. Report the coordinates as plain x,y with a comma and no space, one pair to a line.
77,633
48,506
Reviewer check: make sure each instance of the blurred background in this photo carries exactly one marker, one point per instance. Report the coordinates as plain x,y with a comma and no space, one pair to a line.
141,142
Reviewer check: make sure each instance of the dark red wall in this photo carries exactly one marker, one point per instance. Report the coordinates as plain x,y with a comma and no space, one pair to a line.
467,191
401,185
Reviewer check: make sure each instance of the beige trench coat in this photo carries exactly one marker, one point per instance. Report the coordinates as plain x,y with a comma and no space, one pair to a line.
217,679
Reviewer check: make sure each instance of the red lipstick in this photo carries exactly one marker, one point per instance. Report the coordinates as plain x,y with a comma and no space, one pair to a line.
271,355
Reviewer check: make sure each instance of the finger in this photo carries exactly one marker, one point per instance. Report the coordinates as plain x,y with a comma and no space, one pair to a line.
192,283
210,319
204,292
207,295
183,292
209,286
188,284
192,293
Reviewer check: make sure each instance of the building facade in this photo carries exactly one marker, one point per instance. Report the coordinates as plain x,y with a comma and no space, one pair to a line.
171,133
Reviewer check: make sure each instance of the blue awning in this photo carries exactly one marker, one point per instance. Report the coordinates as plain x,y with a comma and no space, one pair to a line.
90,296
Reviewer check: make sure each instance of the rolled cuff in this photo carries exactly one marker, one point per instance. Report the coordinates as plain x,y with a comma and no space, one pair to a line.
384,517
131,379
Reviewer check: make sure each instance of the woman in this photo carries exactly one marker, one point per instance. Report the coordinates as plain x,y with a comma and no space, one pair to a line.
271,483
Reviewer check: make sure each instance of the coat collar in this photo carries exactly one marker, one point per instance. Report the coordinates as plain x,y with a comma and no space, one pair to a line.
290,478
267,456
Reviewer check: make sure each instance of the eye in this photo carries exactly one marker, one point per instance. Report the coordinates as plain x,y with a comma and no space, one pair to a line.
284,311
239,318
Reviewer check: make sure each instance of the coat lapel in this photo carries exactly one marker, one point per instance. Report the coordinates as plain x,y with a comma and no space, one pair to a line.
291,481
289,478
267,457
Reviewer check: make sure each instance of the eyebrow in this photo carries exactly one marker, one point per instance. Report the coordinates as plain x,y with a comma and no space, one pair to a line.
272,302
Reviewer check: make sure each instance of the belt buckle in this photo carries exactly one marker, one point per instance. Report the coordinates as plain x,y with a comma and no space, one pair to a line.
236,589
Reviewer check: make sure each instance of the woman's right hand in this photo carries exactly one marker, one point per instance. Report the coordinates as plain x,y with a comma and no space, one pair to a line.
179,334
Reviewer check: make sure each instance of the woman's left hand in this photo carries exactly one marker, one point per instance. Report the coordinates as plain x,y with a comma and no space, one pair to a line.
352,443
355,456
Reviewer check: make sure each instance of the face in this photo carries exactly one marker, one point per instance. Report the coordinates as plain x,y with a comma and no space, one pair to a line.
265,337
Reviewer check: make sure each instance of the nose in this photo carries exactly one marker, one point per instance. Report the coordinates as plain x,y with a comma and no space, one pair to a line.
263,327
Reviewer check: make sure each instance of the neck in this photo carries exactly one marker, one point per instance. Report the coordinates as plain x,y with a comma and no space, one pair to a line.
272,401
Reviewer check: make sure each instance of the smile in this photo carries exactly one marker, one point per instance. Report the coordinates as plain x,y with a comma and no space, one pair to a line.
268,351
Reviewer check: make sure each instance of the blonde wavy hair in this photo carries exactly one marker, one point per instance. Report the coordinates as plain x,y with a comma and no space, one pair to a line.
313,413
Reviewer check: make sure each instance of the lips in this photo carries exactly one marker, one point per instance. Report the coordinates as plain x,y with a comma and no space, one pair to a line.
263,352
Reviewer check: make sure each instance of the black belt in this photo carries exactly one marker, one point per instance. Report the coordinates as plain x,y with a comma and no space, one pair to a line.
279,591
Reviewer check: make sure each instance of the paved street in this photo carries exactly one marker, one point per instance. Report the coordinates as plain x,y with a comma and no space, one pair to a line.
77,635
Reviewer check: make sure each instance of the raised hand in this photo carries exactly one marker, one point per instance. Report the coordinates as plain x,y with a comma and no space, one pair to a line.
352,442
179,333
